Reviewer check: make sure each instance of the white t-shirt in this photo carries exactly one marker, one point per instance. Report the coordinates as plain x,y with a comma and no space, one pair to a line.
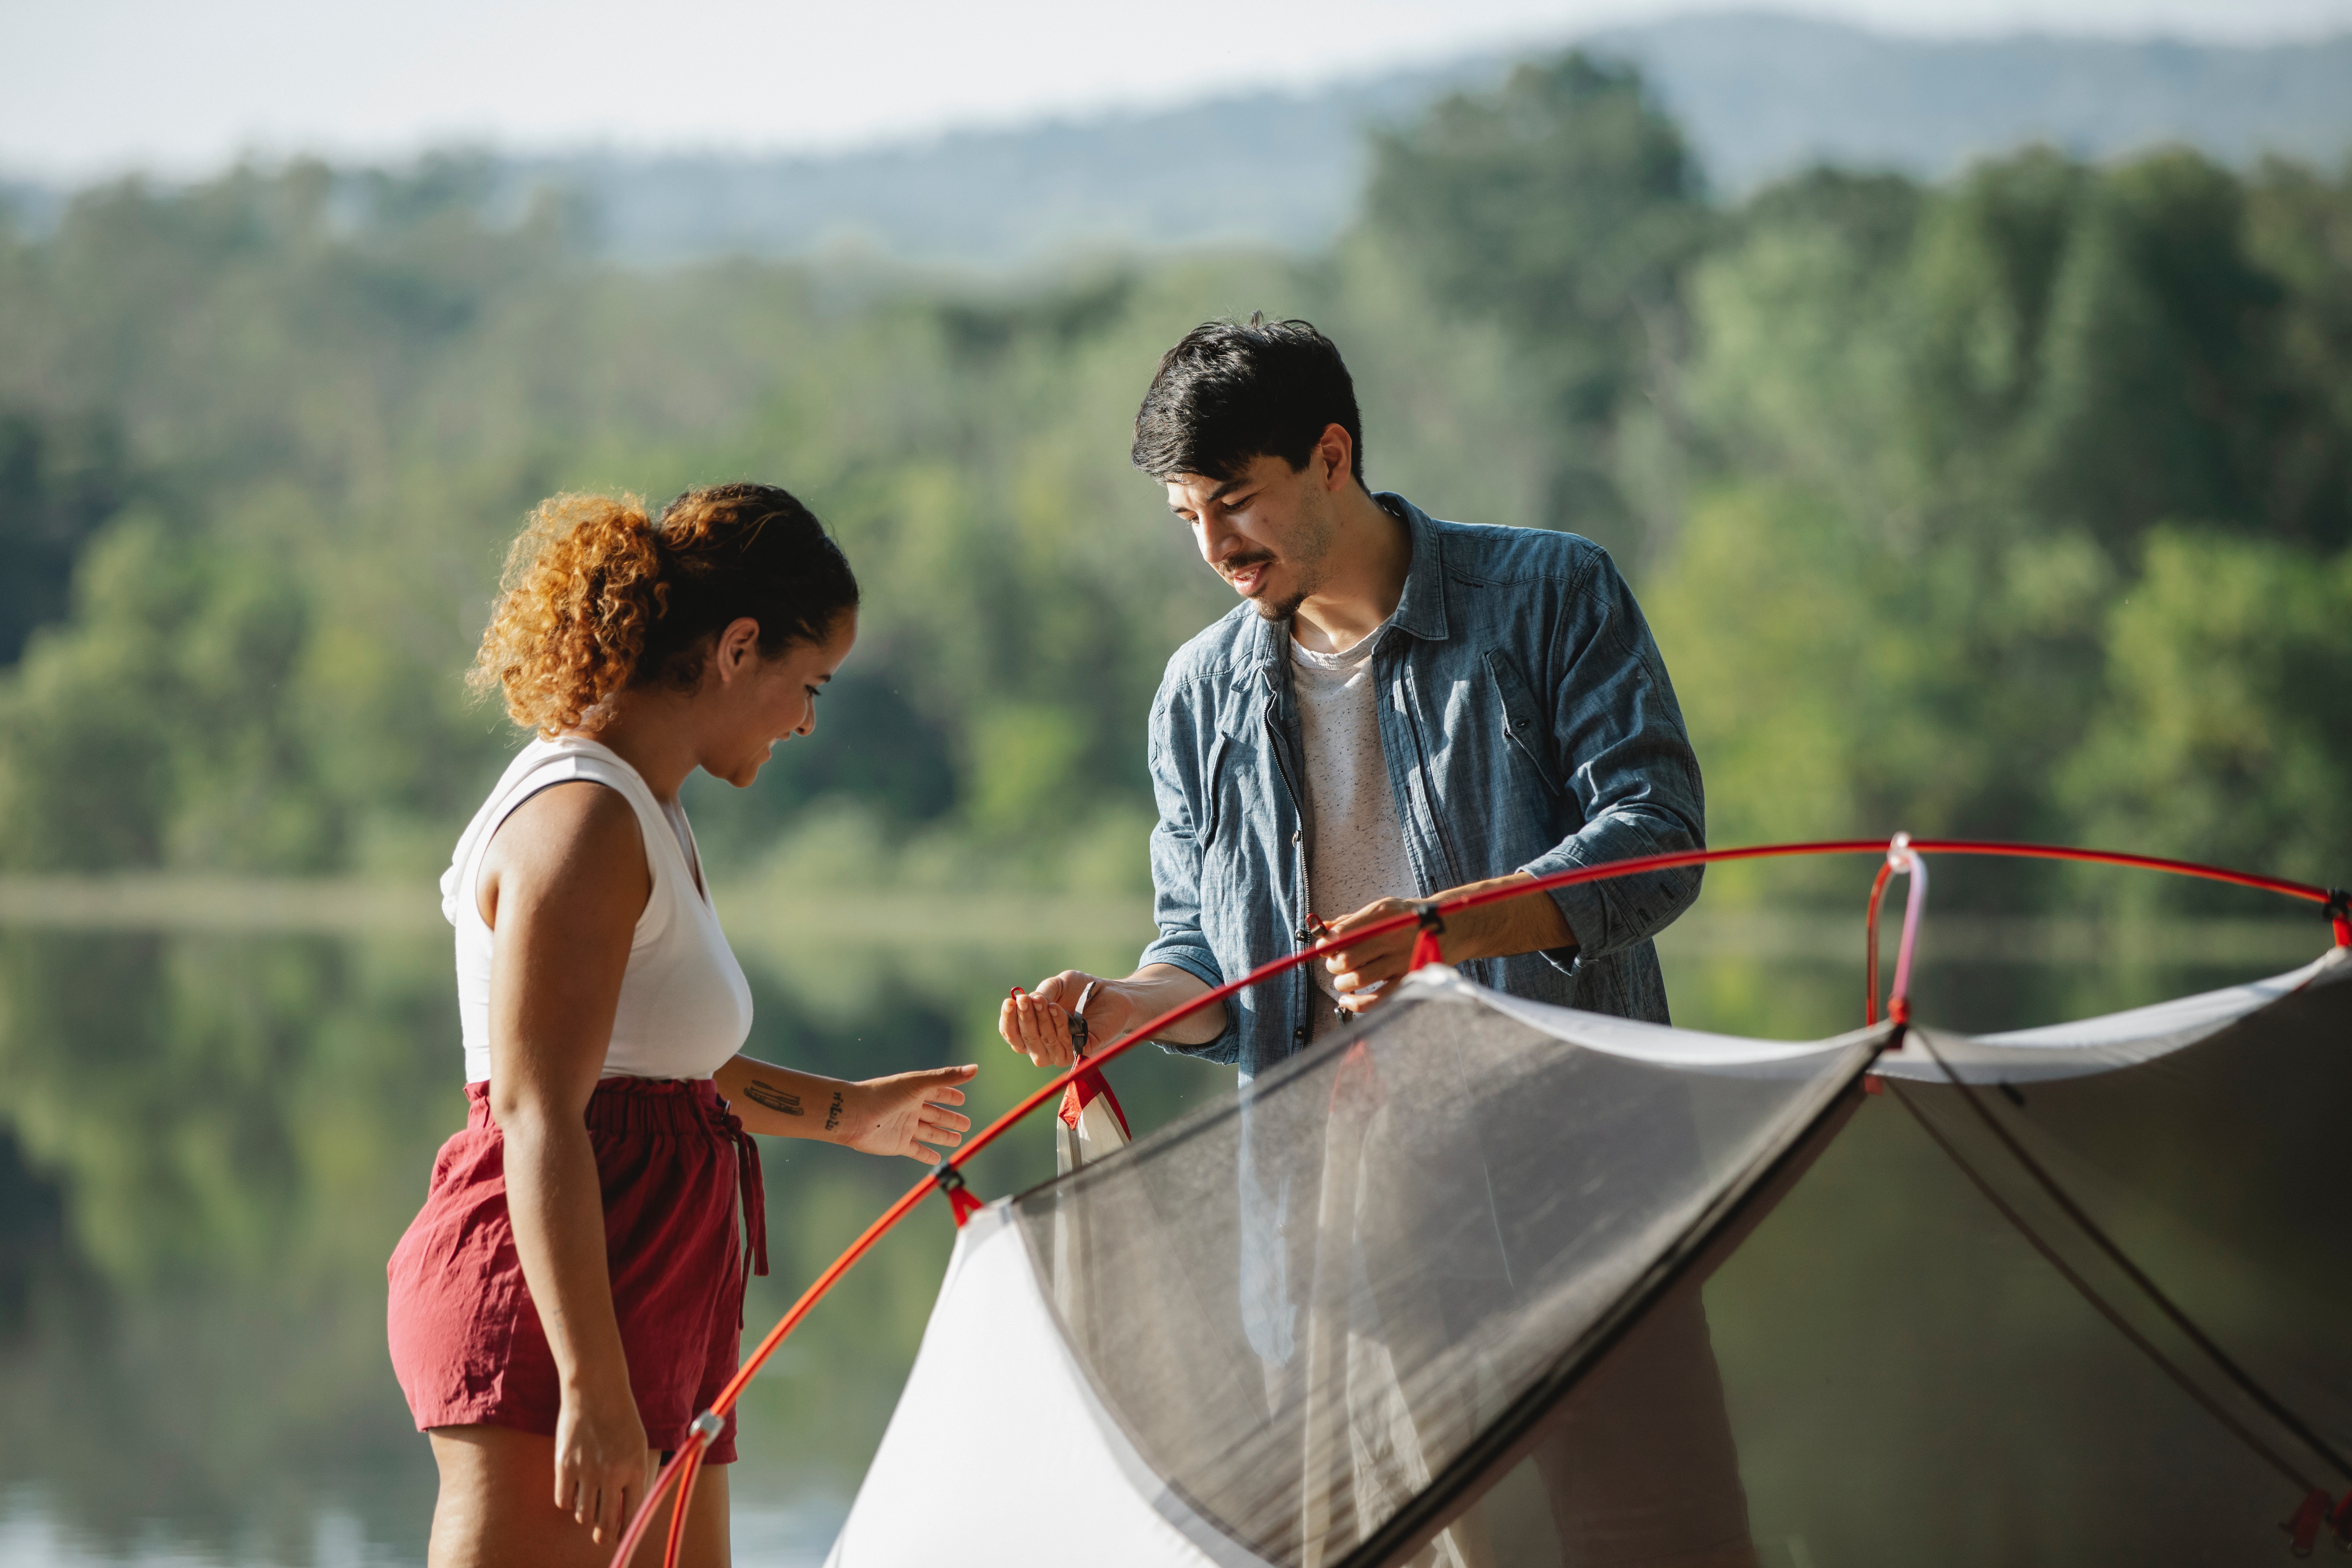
1355,844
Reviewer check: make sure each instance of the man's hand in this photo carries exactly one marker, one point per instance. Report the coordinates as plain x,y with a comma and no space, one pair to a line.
902,1113
1037,1022
1361,970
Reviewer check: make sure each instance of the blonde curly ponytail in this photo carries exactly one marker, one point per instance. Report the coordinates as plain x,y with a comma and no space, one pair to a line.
597,597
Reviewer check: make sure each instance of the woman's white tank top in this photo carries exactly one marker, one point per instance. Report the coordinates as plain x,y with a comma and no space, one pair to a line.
685,1007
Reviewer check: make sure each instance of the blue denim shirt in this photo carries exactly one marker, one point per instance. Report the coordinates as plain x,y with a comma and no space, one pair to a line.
1530,726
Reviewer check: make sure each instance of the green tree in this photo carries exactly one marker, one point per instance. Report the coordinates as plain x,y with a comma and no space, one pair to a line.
2227,730
1566,206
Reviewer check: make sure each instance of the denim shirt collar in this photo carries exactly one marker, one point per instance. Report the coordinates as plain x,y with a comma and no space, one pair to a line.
1420,610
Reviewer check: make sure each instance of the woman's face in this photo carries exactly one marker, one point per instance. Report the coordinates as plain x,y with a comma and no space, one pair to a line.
756,701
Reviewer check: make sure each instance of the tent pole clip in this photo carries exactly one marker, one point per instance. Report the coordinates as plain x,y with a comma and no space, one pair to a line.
961,1200
2338,909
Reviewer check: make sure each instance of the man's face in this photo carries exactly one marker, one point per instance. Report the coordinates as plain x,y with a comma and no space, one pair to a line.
1267,531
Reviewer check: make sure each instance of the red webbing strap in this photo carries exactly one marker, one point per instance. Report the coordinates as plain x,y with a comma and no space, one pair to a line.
1425,948
2302,1526
1084,1089
2340,915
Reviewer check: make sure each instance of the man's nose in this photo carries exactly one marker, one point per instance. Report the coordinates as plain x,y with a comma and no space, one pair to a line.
1217,539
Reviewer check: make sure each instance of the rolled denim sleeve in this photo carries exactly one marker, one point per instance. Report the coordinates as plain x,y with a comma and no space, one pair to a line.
1177,789
1620,736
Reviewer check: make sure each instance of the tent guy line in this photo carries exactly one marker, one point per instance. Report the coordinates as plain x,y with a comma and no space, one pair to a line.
682,1468
2303,1526
2098,1236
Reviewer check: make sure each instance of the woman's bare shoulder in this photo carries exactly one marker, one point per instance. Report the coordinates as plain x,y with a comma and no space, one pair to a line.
578,841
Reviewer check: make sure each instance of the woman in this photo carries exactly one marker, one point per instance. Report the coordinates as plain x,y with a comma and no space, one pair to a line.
571,1295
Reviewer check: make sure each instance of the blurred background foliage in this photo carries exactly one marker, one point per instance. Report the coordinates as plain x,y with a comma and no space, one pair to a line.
2016,505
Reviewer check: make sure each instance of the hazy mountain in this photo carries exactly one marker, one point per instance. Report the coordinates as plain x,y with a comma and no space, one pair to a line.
1763,94
1759,94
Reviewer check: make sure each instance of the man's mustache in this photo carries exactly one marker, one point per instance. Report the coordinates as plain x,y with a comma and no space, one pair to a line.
1233,563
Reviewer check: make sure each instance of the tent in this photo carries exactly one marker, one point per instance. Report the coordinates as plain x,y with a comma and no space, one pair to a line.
1484,1281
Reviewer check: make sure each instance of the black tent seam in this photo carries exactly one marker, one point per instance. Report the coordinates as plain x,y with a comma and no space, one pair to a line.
2271,1403
2104,1307
1540,1399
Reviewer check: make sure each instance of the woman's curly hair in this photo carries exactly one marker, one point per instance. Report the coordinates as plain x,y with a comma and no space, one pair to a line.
598,597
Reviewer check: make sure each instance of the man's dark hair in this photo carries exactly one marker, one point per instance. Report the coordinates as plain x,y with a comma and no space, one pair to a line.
1233,391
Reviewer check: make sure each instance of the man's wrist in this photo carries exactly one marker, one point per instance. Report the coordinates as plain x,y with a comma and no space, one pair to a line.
1504,928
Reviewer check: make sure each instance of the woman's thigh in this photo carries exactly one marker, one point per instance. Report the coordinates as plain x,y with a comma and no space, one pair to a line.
498,1508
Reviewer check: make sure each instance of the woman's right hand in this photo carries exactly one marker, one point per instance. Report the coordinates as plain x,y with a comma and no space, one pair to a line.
1038,1024
602,1462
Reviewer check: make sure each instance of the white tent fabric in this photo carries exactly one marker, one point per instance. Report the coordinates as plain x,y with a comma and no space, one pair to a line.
1633,1041
1000,1453
2105,1043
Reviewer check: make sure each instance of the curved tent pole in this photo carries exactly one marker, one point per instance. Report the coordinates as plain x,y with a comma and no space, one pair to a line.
1429,915
1900,857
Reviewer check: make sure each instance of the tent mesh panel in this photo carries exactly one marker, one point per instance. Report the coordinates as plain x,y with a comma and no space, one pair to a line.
1307,1304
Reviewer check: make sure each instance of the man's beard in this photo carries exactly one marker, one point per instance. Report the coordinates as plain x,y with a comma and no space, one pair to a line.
1280,609
1305,553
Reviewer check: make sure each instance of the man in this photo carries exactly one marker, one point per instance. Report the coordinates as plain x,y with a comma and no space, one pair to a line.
1400,709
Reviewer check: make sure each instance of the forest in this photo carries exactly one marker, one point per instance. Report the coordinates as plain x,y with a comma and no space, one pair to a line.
2018,505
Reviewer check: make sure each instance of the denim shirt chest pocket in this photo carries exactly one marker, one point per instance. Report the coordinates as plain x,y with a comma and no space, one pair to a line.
1248,802
1524,729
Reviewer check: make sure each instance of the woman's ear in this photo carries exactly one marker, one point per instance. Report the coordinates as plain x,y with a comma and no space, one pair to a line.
737,649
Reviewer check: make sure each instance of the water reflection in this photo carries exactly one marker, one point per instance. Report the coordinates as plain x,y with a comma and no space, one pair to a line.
209,1143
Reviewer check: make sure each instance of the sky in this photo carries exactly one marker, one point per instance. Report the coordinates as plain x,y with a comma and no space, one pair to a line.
94,88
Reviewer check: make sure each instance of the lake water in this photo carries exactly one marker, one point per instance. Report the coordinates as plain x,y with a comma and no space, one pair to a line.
210,1141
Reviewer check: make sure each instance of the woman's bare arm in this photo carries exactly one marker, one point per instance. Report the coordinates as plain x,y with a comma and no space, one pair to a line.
563,884
894,1115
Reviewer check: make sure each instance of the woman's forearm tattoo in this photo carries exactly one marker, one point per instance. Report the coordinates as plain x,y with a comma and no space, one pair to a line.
833,1117
777,1099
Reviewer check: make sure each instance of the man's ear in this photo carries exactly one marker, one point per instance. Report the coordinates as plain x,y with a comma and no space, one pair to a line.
1336,453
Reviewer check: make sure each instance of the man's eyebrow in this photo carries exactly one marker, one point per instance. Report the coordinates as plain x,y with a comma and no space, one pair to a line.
1220,493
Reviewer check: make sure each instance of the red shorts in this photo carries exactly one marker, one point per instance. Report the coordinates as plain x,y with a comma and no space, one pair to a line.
466,1343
